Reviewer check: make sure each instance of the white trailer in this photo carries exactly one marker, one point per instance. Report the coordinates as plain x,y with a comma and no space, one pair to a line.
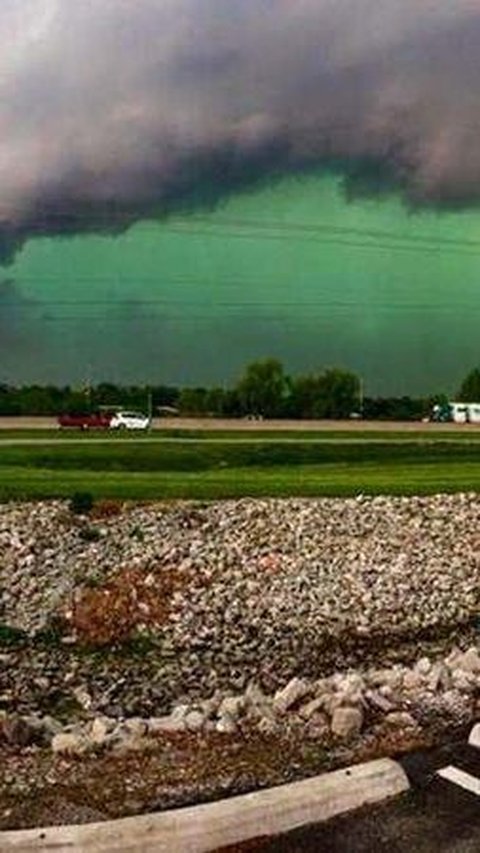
465,413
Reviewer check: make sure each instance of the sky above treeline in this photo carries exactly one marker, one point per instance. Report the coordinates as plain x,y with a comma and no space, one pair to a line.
187,186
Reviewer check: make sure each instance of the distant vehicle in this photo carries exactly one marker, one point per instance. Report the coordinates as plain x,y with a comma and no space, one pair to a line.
167,411
95,420
458,413
129,420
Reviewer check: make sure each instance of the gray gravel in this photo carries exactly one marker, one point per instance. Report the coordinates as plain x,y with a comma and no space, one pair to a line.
277,584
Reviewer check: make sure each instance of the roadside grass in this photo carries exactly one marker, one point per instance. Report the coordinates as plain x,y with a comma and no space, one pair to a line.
236,468
462,434
200,456
339,479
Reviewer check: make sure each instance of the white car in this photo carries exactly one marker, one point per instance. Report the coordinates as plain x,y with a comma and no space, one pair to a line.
129,420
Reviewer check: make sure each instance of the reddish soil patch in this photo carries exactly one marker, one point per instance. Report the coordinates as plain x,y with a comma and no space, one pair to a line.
40,789
130,602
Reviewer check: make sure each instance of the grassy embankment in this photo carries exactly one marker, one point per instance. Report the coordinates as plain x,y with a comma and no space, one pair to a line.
466,435
233,468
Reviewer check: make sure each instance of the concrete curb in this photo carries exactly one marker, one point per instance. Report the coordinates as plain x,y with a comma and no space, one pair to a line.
198,829
474,736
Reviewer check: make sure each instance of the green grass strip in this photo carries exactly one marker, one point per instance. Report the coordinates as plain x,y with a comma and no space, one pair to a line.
460,434
341,479
199,456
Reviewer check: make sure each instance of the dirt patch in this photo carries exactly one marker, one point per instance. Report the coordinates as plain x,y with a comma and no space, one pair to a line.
130,602
40,789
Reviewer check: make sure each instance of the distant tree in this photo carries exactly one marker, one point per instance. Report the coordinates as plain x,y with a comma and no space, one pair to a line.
76,403
396,408
38,400
304,393
438,400
470,388
338,394
192,401
9,403
215,401
165,395
107,394
263,388
232,407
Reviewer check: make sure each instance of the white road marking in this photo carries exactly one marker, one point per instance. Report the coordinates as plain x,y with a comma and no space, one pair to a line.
474,739
459,777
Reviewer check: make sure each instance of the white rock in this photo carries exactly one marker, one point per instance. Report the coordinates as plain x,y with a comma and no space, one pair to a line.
159,725
135,727
180,712
231,706
83,698
310,708
470,661
254,695
423,666
267,726
194,721
454,656
347,722
69,743
226,725
464,680
99,730
412,680
352,682
379,702
400,720
439,678
317,727
289,695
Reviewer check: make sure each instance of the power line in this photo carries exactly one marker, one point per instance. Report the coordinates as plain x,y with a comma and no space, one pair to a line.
321,233
213,221
321,303
335,241
245,318
292,225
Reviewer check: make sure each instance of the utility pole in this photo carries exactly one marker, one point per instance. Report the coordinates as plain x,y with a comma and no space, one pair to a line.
361,394
87,390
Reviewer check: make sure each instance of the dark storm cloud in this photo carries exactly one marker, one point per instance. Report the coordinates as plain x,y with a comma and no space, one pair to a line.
16,328
116,110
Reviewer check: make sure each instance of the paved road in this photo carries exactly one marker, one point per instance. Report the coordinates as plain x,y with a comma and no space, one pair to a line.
437,815
209,424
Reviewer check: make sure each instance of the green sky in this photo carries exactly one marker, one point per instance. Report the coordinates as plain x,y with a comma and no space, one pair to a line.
292,271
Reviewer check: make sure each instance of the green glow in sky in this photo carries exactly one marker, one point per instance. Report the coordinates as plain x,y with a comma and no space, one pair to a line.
291,271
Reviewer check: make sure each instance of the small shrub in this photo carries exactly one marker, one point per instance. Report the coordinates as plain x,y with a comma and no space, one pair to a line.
92,582
62,705
137,533
11,636
89,534
81,503
51,634
107,509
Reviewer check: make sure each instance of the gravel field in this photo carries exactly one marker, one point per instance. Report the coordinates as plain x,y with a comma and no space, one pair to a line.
163,654
220,593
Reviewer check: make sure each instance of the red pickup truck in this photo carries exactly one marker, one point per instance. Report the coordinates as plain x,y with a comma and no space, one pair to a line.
98,420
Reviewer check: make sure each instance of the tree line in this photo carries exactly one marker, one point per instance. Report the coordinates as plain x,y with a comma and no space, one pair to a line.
264,390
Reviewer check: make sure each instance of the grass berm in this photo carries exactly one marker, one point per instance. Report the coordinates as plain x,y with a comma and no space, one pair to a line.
209,470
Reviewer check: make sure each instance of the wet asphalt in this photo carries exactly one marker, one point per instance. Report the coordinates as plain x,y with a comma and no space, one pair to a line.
436,815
